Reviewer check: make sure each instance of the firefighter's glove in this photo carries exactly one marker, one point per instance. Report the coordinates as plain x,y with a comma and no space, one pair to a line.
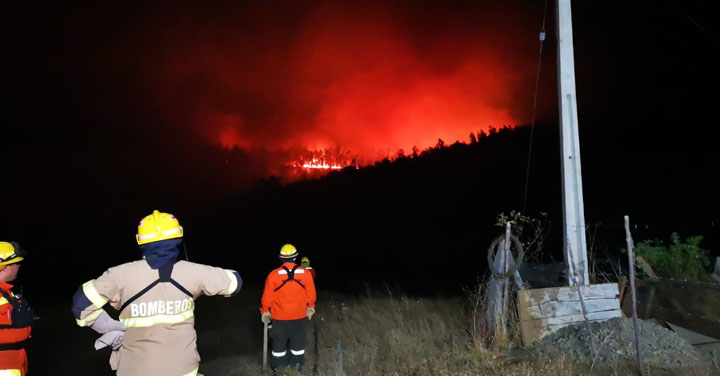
105,324
113,339
265,318
310,312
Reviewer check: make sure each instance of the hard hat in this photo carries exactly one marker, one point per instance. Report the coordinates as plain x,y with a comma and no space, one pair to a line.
288,251
305,262
158,226
10,253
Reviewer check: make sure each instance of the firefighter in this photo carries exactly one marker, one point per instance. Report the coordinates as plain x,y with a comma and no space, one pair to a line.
16,316
155,298
289,300
305,263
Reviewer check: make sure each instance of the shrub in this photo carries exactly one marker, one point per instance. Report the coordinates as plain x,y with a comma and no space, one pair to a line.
531,231
686,261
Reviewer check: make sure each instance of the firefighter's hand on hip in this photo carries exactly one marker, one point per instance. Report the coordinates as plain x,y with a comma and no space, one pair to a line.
310,312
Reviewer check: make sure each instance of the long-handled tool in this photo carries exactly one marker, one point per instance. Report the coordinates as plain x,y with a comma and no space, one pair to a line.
265,341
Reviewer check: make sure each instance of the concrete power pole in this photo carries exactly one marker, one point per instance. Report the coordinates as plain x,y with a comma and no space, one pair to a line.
575,246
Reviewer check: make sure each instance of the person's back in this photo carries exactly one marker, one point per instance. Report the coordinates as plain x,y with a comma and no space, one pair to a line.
160,337
289,300
156,300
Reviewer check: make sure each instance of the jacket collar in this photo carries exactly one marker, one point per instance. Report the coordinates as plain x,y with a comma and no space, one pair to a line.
6,286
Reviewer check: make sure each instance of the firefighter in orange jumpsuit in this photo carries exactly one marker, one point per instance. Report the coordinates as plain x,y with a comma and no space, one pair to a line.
16,316
289,300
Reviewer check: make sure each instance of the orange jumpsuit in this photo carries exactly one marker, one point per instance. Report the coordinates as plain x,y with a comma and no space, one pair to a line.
292,300
14,358
289,291
312,271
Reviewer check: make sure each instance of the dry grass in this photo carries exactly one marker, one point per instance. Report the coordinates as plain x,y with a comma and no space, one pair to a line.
398,335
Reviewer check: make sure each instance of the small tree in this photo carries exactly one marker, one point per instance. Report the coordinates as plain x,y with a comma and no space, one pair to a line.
415,151
473,139
686,261
532,232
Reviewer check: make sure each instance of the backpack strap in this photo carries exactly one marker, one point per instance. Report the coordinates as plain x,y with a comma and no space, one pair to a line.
164,274
291,277
22,314
11,299
14,303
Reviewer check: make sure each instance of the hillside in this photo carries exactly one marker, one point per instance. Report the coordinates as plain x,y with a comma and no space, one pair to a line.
434,212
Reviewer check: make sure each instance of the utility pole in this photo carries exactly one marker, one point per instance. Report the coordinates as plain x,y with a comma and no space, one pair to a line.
575,246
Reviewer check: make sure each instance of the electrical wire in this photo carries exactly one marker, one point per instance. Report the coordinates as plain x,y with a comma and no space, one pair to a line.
532,122
694,22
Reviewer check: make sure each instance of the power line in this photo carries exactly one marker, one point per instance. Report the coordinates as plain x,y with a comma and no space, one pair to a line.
694,22
532,122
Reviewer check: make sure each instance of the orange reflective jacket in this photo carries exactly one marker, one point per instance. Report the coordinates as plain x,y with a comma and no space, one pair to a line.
288,299
15,358
312,271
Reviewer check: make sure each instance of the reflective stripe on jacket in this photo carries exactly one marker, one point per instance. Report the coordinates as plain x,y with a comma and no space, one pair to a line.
160,339
291,301
312,271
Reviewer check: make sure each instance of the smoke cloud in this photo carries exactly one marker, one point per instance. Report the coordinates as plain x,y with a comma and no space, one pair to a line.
369,78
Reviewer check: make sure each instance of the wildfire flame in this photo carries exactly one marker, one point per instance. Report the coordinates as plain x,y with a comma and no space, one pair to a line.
324,161
318,164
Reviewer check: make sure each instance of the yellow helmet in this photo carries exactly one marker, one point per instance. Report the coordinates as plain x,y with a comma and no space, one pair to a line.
158,226
288,251
10,253
305,262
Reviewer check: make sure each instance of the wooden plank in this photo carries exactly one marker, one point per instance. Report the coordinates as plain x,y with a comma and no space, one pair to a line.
533,330
569,293
569,319
543,311
554,308
646,268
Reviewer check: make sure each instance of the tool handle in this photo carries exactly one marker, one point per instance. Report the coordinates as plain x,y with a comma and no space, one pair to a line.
265,343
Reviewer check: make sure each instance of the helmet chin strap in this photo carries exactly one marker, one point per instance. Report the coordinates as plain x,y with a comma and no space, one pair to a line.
185,250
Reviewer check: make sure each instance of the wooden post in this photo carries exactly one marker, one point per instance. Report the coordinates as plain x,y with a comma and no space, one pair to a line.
572,193
496,287
631,267
506,286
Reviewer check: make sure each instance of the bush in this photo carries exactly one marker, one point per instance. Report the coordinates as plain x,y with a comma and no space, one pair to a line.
685,261
531,231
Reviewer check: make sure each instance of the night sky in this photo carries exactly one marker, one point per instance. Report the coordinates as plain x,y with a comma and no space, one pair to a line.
112,111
